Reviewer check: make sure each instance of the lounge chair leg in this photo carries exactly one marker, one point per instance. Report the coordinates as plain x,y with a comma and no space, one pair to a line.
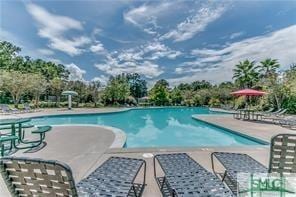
144,180
174,193
135,192
154,167
224,176
2,150
162,184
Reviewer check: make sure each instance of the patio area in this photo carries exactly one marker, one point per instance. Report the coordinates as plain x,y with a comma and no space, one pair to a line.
89,146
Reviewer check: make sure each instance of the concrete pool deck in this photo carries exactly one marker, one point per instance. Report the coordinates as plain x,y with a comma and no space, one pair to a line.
63,111
78,146
89,146
258,129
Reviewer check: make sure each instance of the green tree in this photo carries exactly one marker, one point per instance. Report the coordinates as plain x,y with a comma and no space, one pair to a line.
8,54
159,94
290,76
196,100
94,88
38,85
57,86
16,83
184,86
162,82
11,60
268,67
197,85
117,90
246,74
81,88
290,82
138,86
176,96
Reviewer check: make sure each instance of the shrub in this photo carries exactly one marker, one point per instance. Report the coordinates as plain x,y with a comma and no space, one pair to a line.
214,102
196,100
290,104
239,102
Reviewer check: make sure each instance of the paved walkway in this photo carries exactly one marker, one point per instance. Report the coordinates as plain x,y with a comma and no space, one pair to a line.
257,129
54,111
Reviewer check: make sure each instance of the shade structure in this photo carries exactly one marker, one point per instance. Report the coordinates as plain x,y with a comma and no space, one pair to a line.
248,92
69,94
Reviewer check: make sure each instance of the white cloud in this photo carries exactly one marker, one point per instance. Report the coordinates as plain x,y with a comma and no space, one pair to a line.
103,79
53,27
217,64
113,67
156,50
76,73
195,23
97,48
46,52
130,55
145,16
236,34
140,59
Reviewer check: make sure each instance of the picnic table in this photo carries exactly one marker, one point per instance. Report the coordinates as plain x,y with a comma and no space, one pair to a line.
16,135
13,123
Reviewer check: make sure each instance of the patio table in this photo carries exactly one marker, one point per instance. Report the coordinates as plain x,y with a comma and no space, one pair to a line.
14,132
247,114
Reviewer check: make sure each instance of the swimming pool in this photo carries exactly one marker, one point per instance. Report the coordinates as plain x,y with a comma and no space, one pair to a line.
158,127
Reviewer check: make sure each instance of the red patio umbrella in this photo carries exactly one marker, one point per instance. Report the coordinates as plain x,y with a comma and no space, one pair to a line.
248,92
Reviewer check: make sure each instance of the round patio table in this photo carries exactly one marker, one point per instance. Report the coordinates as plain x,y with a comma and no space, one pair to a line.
13,123
247,114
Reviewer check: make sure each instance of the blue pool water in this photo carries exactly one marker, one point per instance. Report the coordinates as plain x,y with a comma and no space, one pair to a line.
165,127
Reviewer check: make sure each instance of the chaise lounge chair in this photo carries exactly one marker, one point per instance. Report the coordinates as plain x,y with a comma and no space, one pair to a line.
6,110
260,114
185,177
282,160
27,108
289,122
36,177
275,116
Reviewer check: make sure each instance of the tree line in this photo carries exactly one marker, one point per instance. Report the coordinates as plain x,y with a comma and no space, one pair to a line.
23,79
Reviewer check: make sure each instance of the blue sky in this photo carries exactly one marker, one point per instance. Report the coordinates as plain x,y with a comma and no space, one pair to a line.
181,41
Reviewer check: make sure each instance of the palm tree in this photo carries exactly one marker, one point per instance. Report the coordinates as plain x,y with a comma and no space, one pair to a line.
268,67
246,74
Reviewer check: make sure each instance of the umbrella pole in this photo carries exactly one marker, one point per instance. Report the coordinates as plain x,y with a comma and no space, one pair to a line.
69,102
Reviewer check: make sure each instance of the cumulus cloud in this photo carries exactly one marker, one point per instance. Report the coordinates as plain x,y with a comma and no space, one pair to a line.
53,27
97,48
140,59
114,67
196,23
217,64
76,73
